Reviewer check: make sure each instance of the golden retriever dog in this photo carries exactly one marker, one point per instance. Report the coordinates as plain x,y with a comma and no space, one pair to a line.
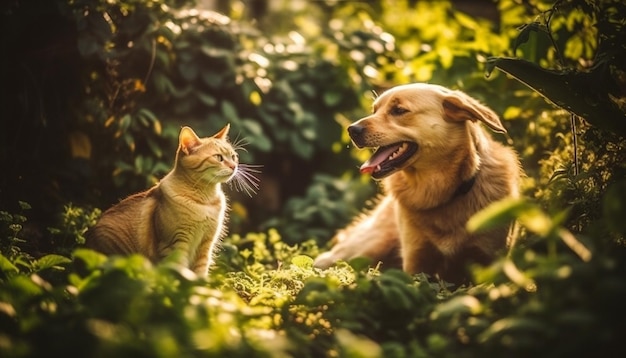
438,167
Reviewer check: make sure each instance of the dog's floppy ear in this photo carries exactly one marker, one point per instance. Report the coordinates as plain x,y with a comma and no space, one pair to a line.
458,106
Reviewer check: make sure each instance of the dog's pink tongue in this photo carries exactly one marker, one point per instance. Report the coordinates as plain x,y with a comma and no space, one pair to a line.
381,154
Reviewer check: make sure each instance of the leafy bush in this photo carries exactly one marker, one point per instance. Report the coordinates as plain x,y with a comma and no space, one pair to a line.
100,119
264,298
329,203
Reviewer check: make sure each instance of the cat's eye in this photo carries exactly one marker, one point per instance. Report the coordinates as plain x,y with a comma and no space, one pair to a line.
219,157
235,156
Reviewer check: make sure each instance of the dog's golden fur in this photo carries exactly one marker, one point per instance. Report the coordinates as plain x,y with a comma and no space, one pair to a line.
447,169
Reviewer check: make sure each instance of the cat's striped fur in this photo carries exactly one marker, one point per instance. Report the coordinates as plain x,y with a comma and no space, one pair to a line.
182,218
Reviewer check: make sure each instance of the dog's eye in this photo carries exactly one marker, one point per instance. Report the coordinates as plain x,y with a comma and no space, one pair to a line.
397,111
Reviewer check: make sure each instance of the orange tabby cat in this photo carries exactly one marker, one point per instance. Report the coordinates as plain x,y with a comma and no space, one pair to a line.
180,219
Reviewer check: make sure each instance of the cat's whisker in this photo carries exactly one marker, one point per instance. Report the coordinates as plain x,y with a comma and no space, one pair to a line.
245,184
245,179
244,187
156,222
240,143
251,167
250,180
249,172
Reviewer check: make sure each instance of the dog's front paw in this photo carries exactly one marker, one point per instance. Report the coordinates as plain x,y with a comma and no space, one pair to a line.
325,260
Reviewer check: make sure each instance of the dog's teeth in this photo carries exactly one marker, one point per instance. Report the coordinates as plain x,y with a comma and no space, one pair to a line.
400,150
378,168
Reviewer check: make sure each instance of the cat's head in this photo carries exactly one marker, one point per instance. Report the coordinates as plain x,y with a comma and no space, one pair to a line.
206,160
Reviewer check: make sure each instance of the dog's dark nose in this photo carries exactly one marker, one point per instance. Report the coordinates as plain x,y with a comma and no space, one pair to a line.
355,130
357,133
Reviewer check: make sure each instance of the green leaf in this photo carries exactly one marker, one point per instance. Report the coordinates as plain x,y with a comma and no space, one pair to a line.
130,141
188,70
125,122
24,205
466,20
495,215
457,305
50,261
357,346
303,149
148,114
332,98
512,112
307,89
26,285
229,111
252,127
513,325
257,138
505,211
155,147
309,134
316,291
139,164
302,261
206,98
211,78
396,298
6,265
215,52
570,90
524,35
536,221
267,116
123,166
92,259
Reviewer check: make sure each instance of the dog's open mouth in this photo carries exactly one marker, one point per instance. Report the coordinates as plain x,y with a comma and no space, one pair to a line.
388,159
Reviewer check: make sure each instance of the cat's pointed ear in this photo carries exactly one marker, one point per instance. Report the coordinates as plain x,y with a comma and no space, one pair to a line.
223,132
187,140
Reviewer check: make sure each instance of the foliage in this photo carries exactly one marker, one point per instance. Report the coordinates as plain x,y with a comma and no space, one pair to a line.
147,68
265,299
95,92
75,221
592,88
329,203
580,43
11,231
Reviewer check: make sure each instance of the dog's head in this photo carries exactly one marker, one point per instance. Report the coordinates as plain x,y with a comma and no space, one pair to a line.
411,119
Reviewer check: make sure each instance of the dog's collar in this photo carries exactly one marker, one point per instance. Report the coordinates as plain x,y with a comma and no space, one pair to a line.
465,187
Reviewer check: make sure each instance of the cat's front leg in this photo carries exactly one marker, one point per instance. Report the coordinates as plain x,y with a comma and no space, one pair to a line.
176,254
203,258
